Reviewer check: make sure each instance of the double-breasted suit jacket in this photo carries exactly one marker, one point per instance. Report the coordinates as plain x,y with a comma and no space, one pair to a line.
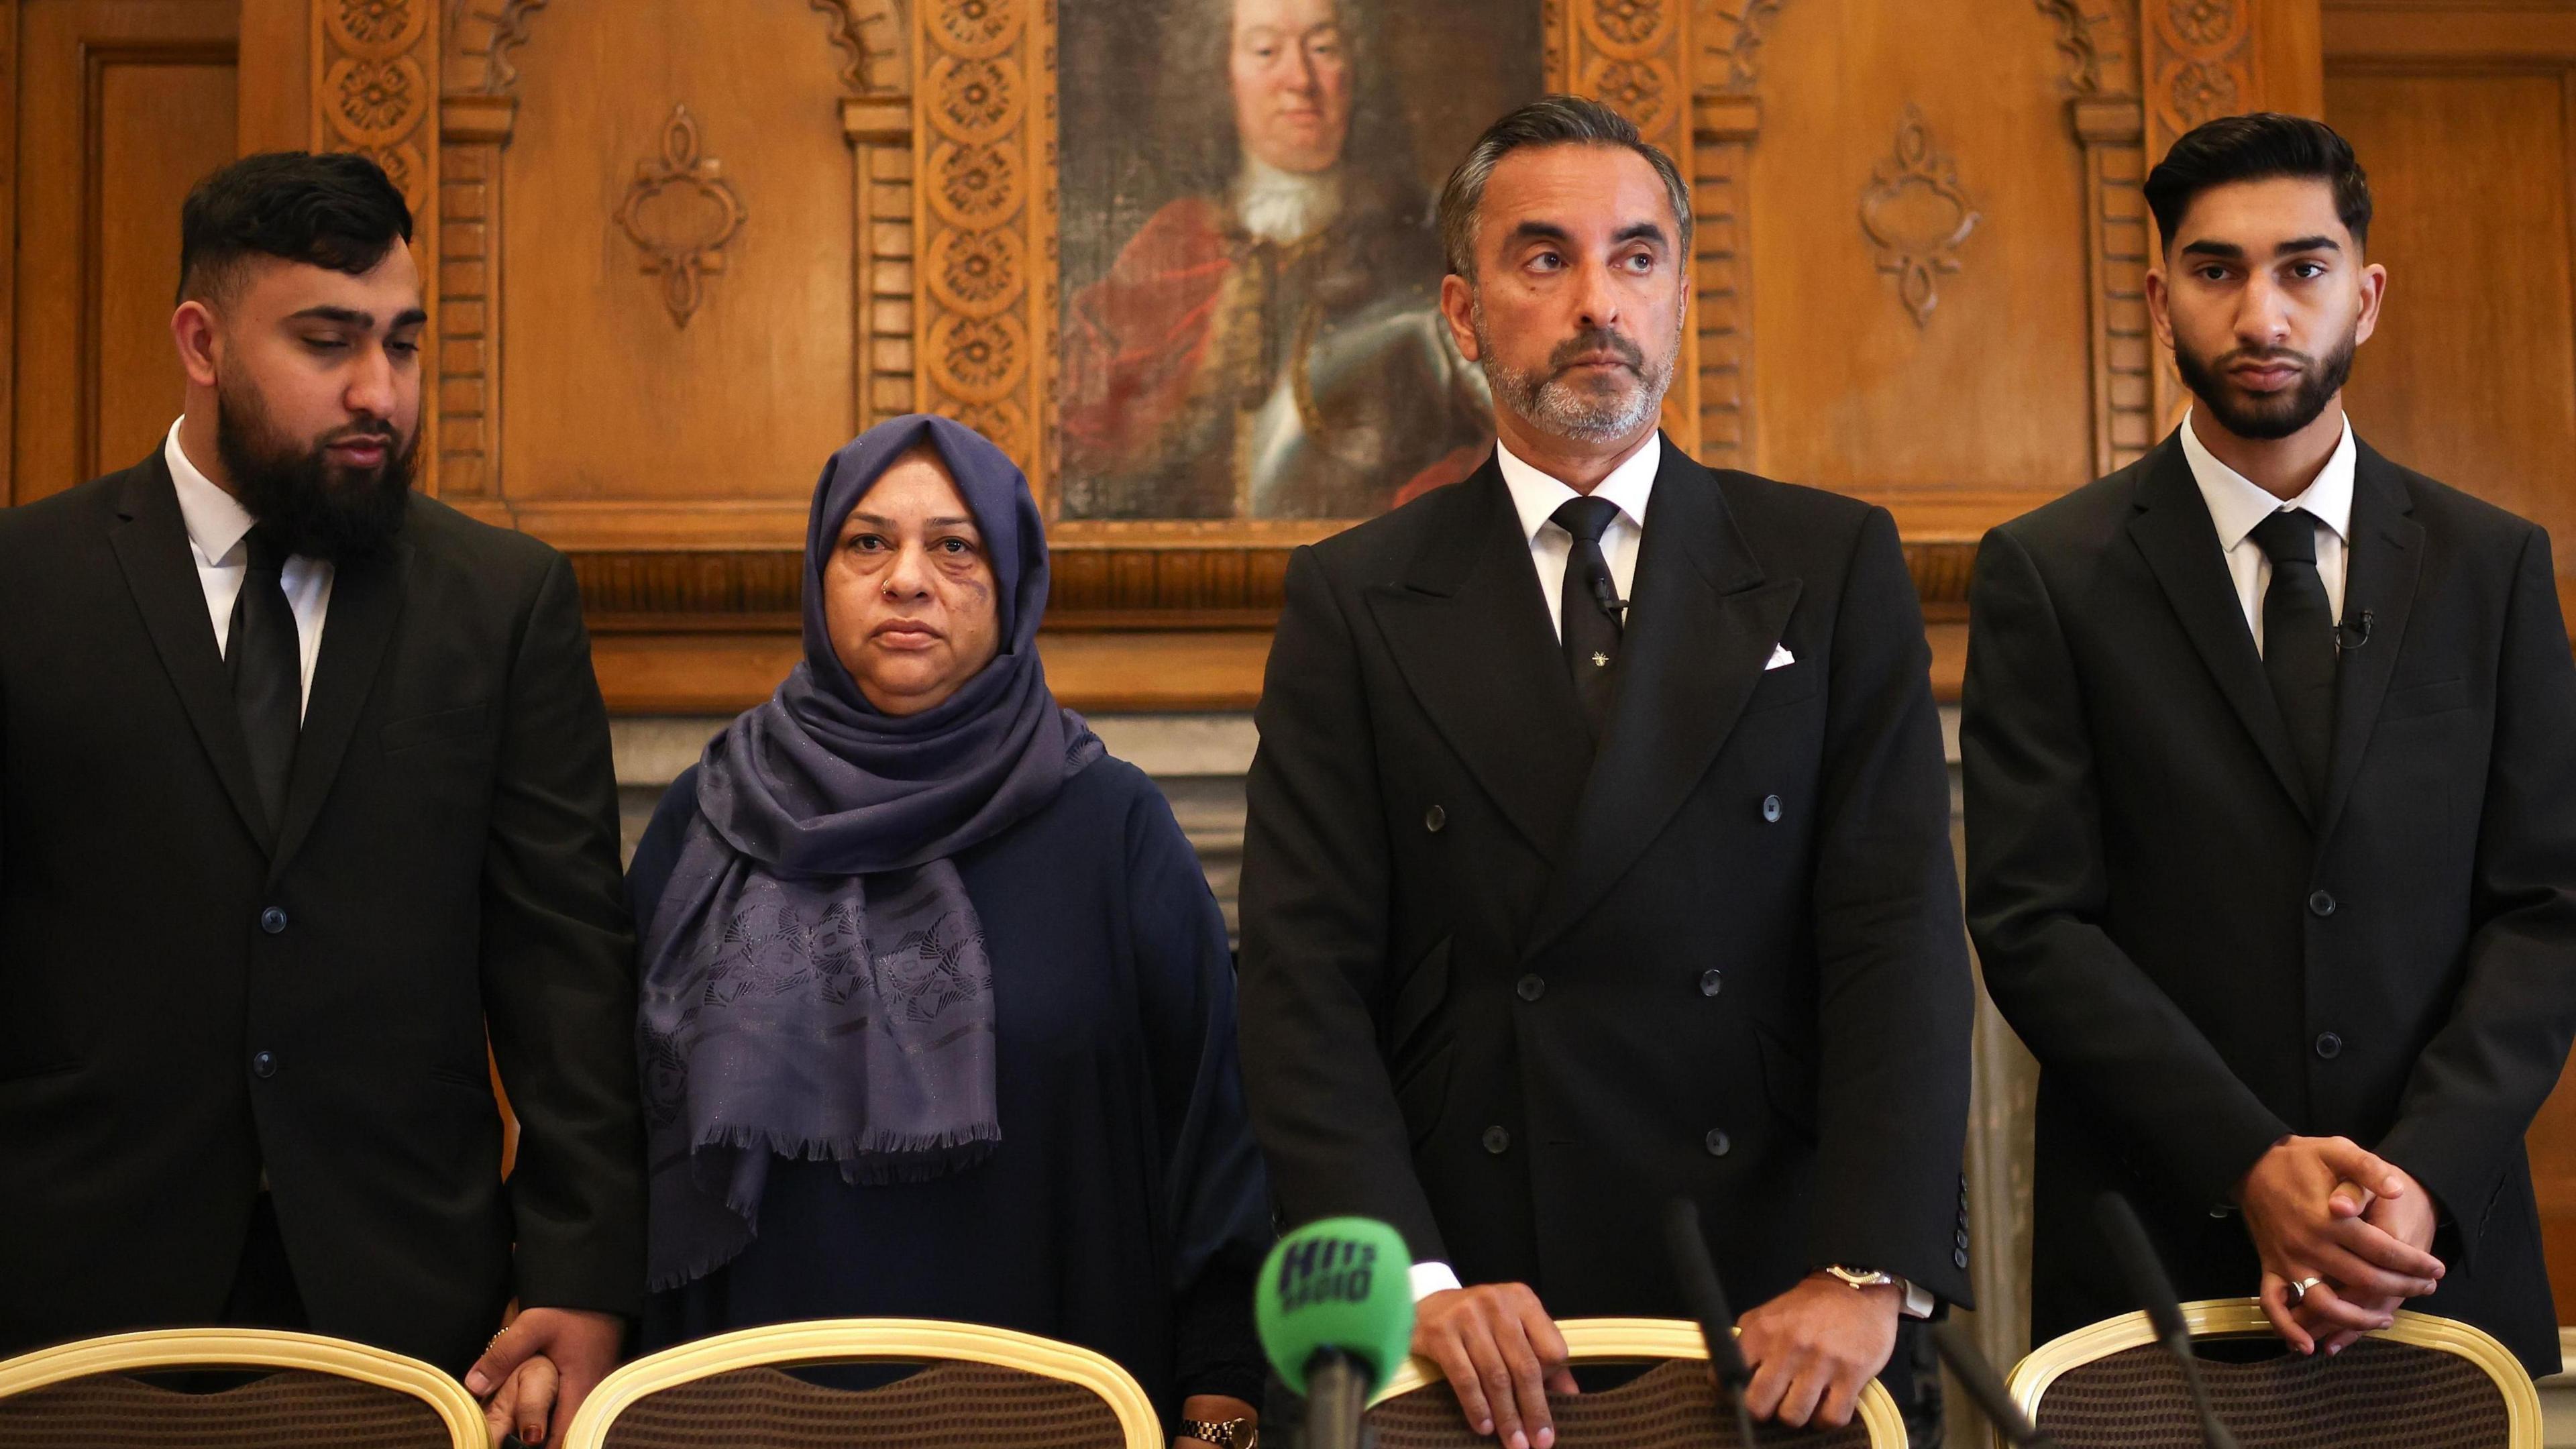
1511,989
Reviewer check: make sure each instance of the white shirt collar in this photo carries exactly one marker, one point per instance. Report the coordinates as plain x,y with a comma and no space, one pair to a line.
216,520
2237,503
1535,495
1285,206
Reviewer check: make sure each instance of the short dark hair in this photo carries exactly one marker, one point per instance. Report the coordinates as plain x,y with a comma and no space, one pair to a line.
2257,147
330,210
1547,121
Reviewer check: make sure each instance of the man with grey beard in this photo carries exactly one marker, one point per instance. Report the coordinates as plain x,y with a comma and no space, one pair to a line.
1545,926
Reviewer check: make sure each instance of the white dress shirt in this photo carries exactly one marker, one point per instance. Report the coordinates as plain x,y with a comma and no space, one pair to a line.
1536,497
217,524
2237,504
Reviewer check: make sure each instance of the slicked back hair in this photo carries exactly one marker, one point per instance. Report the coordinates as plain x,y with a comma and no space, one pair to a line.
1547,121
327,209
2259,146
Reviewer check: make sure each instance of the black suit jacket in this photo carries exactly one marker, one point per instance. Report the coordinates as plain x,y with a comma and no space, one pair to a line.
448,862
2200,961
1511,1000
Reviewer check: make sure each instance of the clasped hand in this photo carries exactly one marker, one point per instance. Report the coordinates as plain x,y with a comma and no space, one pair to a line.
2326,1208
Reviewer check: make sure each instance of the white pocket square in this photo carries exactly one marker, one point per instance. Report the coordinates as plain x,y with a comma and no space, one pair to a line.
1781,658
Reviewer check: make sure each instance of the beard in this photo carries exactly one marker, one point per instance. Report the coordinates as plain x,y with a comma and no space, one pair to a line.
314,507
2263,417
1599,408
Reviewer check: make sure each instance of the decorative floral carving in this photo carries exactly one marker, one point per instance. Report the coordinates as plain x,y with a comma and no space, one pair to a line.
375,102
983,215
977,99
681,212
976,272
2205,23
975,185
1729,38
1641,89
2095,36
375,29
1916,214
2202,90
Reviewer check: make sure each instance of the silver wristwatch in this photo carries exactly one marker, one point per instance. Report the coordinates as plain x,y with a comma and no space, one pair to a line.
1860,1278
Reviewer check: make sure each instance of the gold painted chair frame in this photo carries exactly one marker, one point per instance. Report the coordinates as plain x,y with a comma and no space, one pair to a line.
845,1340
186,1348
2243,1317
1612,1340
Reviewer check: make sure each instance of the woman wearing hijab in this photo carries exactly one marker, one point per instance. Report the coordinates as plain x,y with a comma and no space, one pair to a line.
938,1016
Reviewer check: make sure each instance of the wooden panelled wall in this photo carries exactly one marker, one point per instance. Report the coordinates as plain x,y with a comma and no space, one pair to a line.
1958,371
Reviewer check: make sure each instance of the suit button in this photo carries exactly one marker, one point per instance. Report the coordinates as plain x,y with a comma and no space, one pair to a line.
1434,818
1711,981
2329,1046
263,1064
1771,809
1532,987
1497,1140
2321,904
272,920
1959,1259
1719,1144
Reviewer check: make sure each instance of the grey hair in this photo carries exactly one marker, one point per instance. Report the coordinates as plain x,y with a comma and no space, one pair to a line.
1547,121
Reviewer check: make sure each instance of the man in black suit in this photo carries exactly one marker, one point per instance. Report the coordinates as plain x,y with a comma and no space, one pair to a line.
1543,925
304,790
2272,809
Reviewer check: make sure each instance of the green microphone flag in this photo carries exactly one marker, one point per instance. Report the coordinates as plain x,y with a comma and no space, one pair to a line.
1340,1286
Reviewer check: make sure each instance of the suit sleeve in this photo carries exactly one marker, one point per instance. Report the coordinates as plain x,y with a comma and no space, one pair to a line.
2038,888
1315,888
1894,1005
559,973
2477,1085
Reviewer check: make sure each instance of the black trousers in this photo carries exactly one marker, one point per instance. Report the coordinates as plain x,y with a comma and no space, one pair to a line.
263,1293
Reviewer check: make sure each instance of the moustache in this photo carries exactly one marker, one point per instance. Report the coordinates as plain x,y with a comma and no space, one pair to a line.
1599,339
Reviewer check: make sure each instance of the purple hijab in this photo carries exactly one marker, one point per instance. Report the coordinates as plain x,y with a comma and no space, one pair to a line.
815,983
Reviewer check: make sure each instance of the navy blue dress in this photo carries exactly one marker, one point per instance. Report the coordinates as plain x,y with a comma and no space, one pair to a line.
1125,1208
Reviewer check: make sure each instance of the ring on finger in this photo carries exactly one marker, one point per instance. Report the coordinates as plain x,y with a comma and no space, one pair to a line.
2298,1292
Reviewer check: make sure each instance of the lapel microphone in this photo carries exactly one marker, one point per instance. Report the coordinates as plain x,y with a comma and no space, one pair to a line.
2348,637
1617,608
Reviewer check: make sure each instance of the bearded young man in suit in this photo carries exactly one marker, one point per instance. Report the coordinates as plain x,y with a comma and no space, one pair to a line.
2272,810
1599,847
304,790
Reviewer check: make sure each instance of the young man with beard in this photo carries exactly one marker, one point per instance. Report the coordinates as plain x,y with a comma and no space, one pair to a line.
304,790
2272,810
1599,847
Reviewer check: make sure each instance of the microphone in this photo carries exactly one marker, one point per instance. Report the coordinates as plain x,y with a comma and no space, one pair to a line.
1977,1376
1334,1308
1609,600
1687,1245
2357,637
2154,1292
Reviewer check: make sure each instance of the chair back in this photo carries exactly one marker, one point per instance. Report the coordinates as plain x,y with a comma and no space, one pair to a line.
2423,1381
1674,1405
989,1387
301,1388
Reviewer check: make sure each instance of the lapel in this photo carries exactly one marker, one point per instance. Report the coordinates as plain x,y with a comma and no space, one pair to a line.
151,543
2173,530
1470,635
2380,569
1703,624
366,600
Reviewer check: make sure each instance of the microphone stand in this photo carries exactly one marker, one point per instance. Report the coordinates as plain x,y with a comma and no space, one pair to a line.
1337,1391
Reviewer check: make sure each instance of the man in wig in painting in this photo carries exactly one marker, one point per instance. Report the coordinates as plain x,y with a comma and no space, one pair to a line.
1269,344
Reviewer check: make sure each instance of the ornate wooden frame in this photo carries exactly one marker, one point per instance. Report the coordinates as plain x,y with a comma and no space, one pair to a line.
949,111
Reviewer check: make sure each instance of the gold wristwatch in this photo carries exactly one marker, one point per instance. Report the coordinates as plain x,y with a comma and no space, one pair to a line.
1860,1278
1223,1433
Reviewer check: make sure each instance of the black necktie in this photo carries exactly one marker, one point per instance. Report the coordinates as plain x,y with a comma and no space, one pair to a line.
268,672
1587,608
2299,641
